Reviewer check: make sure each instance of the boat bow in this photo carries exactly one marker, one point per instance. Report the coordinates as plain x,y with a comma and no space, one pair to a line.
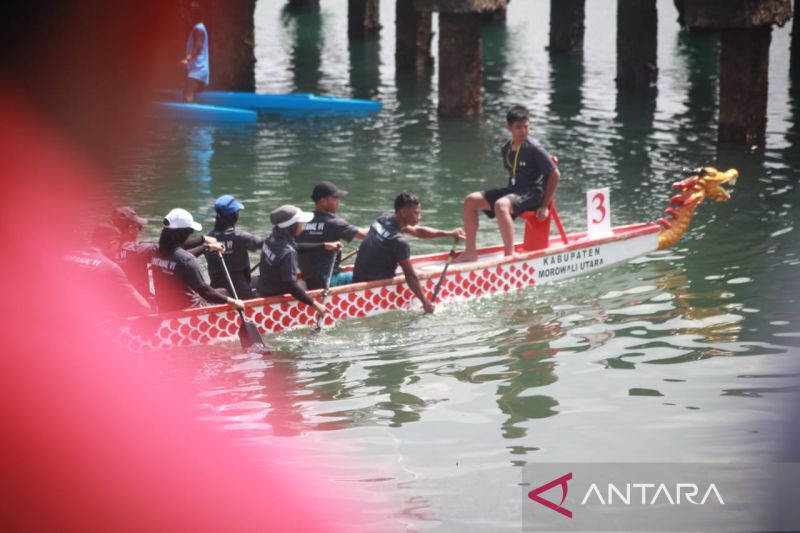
703,183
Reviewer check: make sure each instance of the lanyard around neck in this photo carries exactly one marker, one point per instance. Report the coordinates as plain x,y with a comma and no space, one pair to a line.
516,158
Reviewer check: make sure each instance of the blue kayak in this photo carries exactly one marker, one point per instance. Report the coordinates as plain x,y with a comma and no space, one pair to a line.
297,103
202,112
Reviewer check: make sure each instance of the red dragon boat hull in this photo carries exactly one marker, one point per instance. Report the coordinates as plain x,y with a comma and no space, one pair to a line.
491,274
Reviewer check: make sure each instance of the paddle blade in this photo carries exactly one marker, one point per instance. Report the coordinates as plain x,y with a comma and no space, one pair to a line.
249,335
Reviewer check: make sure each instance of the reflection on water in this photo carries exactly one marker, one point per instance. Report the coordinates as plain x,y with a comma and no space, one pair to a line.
200,151
305,29
365,68
687,354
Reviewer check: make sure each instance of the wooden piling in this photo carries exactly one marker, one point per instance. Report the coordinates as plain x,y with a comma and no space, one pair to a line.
566,26
637,45
231,39
795,50
460,66
744,68
363,19
413,39
303,5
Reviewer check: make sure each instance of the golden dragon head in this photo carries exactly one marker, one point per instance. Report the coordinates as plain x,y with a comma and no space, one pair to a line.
702,183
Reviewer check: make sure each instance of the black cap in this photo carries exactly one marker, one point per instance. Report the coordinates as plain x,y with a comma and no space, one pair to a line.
323,189
123,216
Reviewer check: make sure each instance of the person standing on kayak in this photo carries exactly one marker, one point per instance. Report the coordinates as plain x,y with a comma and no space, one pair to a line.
177,277
318,244
134,255
532,182
196,60
278,268
96,267
237,243
385,246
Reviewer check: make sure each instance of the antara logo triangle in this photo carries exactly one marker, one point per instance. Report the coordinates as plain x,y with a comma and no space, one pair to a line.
562,482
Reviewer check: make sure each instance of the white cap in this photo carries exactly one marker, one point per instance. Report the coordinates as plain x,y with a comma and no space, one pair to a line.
180,218
286,215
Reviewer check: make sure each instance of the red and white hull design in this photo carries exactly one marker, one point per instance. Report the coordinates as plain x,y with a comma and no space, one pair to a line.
491,274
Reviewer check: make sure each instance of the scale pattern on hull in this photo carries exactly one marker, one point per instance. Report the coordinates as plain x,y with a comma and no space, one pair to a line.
207,325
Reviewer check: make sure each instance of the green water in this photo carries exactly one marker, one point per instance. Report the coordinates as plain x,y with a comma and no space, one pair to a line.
685,355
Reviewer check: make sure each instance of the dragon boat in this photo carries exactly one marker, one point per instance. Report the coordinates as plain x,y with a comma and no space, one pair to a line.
538,260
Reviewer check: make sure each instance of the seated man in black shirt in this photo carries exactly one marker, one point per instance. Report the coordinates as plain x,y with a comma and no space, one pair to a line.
237,243
278,269
177,277
532,182
318,243
386,247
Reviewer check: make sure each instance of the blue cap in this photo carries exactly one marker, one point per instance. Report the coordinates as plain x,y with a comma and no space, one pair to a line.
227,205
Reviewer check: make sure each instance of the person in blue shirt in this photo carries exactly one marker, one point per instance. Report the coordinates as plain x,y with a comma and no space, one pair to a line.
196,60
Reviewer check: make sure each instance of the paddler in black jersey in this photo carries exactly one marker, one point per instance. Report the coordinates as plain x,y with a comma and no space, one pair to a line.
278,268
134,255
94,267
318,244
177,277
237,243
386,247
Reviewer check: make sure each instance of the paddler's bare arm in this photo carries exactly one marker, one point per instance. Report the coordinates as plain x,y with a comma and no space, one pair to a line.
424,232
549,192
413,284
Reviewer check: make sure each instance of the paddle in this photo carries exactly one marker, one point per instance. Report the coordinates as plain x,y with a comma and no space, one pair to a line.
326,290
249,335
348,256
450,257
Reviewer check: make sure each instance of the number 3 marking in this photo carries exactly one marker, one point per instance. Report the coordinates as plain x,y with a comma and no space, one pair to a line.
600,207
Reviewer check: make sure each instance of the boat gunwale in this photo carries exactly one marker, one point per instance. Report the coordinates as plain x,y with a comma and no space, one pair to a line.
574,241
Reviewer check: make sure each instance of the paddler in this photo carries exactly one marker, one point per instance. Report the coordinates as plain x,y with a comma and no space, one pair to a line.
278,269
532,182
196,60
134,255
95,266
177,277
320,241
385,246
237,243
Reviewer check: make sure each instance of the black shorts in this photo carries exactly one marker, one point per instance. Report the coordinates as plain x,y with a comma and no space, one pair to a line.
521,201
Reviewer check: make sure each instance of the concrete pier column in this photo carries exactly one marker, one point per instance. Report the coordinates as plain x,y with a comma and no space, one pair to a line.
303,5
460,66
460,62
746,31
231,39
743,83
566,26
680,6
363,18
637,46
795,51
495,16
413,42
